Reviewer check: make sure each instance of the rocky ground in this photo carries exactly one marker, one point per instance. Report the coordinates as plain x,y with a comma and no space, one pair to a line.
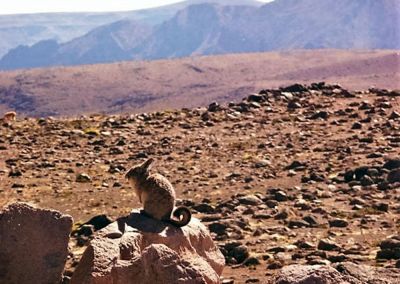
303,174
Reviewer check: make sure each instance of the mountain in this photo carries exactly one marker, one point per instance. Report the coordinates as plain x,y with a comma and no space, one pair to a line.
282,24
207,28
28,29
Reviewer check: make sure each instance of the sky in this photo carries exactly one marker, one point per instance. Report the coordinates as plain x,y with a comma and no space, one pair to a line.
41,6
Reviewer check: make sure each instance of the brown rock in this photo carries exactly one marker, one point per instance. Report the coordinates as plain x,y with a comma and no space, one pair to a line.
33,244
138,249
343,273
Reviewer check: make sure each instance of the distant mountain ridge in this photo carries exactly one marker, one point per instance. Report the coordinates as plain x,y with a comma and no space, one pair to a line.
208,28
28,29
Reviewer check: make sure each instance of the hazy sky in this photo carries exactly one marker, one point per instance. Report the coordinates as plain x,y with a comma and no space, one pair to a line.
35,6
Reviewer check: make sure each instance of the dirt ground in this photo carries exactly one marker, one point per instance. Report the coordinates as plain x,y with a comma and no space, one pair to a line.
281,174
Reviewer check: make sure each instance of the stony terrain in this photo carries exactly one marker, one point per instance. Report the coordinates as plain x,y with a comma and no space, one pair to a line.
303,174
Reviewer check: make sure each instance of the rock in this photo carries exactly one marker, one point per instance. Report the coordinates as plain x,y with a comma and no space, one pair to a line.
213,107
368,274
343,273
295,165
390,249
294,88
280,196
356,125
33,244
326,244
99,222
250,200
392,164
138,249
83,178
240,253
320,114
394,115
366,181
293,105
338,223
394,176
307,274
298,224
256,98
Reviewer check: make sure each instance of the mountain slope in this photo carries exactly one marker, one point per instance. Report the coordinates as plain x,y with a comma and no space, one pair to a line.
206,28
141,86
283,24
28,29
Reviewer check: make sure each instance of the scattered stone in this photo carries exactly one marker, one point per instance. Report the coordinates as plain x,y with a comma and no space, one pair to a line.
340,223
392,164
328,245
83,178
394,176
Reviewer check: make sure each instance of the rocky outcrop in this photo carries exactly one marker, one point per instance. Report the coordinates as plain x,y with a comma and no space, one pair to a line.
138,249
344,273
33,244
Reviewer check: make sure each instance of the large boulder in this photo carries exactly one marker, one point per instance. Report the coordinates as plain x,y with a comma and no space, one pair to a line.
343,273
33,244
139,249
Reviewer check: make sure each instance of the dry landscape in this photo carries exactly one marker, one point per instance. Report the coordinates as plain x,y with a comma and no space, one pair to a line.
135,87
291,175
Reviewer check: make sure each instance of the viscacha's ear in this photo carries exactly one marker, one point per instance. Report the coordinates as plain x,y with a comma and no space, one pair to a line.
146,166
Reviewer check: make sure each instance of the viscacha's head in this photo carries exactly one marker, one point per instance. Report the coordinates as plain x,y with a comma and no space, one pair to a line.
139,172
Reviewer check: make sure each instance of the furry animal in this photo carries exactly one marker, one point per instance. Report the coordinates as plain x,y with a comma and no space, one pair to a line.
157,195
9,116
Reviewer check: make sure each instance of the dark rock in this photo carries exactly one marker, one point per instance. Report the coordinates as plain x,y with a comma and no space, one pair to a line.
320,114
360,172
356,125
275,265
218,228
240,253
392,164
99,222
298,224
394,176
293,105
213,107
252,261
304,245
83,178
295,165
328,245
366,181
295,88
204,208
256,98
280,196
311,220
394,115
338,223
381,206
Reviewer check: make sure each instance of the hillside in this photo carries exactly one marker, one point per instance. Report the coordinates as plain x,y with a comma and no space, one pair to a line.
189,82
207,28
